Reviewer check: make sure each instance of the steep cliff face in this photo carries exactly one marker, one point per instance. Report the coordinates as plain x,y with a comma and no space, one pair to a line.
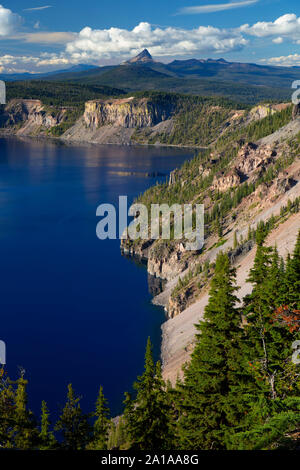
27,117
127,113
262,111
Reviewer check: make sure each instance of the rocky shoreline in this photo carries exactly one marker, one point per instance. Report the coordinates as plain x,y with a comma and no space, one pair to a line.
86,142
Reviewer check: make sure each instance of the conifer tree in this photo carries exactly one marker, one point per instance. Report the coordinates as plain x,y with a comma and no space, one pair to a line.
275,280
47,439
268,344
271,430
73,424
25,431
102,423
249,235
129,418
147,417
213,394
235,241
274,412
7,416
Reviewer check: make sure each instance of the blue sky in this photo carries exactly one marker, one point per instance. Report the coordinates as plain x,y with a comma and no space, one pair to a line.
38,36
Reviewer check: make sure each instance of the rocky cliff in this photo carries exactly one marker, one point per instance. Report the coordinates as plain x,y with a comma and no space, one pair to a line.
152,118
115,121
30,117
128,113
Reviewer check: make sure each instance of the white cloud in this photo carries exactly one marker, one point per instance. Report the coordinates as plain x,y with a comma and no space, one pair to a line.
45,59
38,8
287,61
8,21
278,40
120,43
115,44
214,8
286,26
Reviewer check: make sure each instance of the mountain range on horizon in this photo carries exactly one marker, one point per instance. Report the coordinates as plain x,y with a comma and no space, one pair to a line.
246,82
182,66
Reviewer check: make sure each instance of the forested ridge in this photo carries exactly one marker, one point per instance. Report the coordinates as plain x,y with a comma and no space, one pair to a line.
60,93
239,391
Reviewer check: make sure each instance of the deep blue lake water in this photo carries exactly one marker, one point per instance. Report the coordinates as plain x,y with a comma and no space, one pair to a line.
73,310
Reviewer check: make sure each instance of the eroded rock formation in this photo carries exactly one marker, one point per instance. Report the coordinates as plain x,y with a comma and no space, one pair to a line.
127,112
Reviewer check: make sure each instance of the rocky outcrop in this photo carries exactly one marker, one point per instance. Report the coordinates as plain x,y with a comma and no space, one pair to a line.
204,172
180,302
252,157
172,177
230,180
281,185
127,113
142,58
263,110
29,116
166,260
140,250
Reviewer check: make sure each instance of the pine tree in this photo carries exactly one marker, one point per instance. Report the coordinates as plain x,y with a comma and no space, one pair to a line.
268,343
271,430
235,241
73,424
25,431
7,415
249,235
213,395
147,417
275,409
129,418
47,439
275,279
102,423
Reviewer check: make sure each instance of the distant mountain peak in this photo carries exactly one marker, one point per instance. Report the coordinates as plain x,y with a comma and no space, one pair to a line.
143,57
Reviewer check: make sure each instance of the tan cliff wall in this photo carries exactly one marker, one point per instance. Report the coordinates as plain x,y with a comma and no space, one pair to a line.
128,113
29,117
114,121
103,121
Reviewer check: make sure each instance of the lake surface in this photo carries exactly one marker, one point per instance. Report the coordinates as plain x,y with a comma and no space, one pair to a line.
73,310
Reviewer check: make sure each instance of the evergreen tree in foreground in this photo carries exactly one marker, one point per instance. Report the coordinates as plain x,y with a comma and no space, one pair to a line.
272,328
147,417
73,424
7,418
47,439
25,431
269,344
102,423
213,398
